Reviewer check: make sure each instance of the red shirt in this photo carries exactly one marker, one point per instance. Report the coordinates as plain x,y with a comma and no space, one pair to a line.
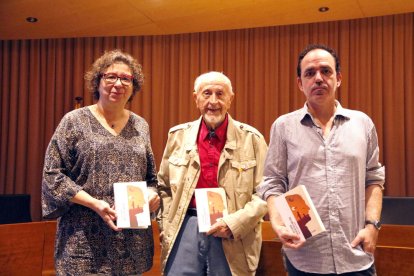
210,144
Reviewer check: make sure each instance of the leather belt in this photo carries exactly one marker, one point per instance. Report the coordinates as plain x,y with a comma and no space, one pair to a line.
192,212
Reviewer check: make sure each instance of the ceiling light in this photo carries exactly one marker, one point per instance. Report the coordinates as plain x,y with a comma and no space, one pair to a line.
323,9
31,19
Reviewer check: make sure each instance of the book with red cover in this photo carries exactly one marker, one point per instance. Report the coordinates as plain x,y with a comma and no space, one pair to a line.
131,205
299,213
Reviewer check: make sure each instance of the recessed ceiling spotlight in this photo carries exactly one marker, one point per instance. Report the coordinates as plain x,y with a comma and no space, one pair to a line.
31,19
323,9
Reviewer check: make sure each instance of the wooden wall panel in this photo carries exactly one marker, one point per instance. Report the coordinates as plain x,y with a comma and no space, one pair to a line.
21,248
27,249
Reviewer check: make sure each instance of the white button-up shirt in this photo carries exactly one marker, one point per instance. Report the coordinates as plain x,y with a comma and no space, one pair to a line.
335,170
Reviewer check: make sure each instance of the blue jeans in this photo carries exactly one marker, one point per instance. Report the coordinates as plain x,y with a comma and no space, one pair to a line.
292,271
196,253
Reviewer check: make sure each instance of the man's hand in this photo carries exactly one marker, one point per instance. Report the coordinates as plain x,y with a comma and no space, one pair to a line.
153,200
161,237
220,229
367,237
288,238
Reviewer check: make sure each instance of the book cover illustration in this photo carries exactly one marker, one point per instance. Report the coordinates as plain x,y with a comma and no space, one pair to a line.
299,213
211,206
131,205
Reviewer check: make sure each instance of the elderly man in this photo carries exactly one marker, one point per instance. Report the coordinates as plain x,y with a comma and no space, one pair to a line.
334,152
213,151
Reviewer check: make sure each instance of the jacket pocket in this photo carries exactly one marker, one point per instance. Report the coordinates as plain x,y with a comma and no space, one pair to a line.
177,169
243,165
178,160
243,175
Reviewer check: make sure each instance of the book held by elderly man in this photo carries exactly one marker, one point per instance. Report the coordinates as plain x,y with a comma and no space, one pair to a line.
211,206
131,205
299,213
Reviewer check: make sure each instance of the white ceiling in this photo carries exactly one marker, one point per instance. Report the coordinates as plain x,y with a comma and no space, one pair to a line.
93,18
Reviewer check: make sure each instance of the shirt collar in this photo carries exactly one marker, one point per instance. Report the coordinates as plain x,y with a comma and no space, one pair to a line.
340,111
220,131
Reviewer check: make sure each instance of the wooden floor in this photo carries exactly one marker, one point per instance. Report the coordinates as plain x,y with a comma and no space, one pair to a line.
27,249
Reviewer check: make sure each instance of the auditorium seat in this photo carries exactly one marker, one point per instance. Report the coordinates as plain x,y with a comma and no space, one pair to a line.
15,208
397,210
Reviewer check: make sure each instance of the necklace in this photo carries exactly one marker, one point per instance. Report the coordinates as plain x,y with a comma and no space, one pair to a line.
102,117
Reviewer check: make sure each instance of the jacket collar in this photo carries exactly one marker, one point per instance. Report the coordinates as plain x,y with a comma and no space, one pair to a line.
191,140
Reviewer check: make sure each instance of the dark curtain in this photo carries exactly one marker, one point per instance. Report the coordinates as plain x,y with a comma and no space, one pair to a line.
40,79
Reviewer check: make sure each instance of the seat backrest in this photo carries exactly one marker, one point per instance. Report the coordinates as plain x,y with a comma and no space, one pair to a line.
15,208
398,210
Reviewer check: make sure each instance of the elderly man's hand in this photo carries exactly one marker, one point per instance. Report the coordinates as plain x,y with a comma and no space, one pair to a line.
220,229
153,200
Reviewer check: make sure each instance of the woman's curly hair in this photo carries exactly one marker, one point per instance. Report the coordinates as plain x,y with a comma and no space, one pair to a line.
94,75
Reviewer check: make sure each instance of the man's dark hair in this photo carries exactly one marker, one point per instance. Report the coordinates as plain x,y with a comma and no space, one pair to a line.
311,47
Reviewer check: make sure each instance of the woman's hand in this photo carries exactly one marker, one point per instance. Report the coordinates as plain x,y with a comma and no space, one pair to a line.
107,213
101,207
153,200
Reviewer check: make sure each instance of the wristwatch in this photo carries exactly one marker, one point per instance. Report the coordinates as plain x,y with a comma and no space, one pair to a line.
376,223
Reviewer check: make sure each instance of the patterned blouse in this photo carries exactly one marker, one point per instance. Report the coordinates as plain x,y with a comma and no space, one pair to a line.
83,155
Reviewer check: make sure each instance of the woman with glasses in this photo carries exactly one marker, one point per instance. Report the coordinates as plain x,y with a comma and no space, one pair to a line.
92,148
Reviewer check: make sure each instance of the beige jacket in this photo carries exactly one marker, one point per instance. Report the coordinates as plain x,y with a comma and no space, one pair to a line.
240,171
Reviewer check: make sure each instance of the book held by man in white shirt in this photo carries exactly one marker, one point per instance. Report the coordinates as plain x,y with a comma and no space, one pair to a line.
299,213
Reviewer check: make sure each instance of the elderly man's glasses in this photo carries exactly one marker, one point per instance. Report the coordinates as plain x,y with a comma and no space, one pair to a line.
111,78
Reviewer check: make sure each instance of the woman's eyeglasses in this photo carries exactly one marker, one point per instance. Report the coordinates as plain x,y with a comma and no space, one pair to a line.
111,78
